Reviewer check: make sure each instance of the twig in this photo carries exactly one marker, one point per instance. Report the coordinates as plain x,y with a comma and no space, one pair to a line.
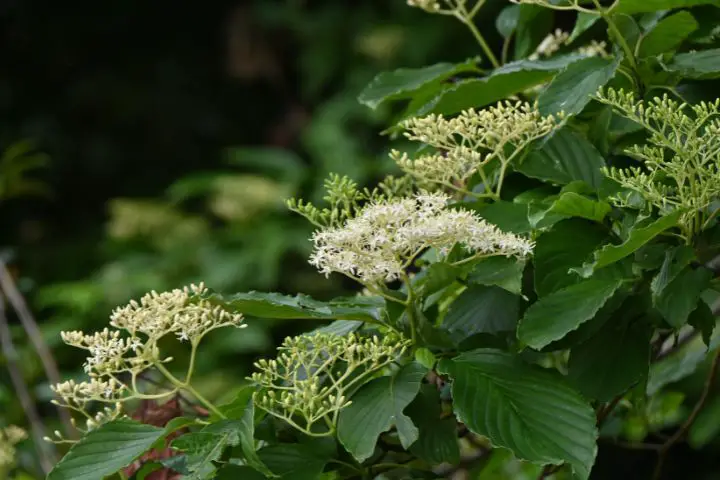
23,393
605,412
682,431
7,285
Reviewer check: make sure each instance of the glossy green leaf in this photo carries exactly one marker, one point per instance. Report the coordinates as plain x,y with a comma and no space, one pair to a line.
555,315
508,216
530,411
236,472
106,450
681,363
276,305
376,407
505,272
583,22
703,320
698,65
481,309
572,89
438,439
403,82
571,204
507,20
201,450
644,6
534,23
639,236
566,246
681,296
293,461
563,158
668,34
505,81
676,259
601,376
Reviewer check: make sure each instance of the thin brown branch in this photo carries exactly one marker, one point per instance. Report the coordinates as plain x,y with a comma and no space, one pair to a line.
7,347
605,411
682,431
16,299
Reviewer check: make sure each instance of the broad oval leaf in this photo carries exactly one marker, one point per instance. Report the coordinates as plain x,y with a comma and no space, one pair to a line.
698,65
528,410
438,439
105,450
637,237
563,158
678,300
376,407
505,272
482,309
554,316
571,204
573,88
668,34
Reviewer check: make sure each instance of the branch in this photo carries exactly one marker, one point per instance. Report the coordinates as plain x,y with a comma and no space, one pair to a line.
7,285
23,393
682,431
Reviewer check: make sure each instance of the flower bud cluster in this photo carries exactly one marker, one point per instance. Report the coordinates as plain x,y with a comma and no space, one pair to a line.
376,245
313,375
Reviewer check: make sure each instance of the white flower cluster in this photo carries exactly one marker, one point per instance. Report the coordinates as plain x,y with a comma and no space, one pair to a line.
550,44
313,374
468,143
377,245
9,437
130,347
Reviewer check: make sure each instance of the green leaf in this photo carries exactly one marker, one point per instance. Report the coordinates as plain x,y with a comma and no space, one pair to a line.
276,305
680,297
680,363
566,246
403,82
201,449
644,6
503,82
507,21
638,236
481,309
376,407
571,204
554,316
534,23
437,441
246,436
697,65
706,426
507,216
236,472
293,461
573,88
676,259
530,411
703,320
601,376
628,30
668,34
505,272
582,24
106,450
563,158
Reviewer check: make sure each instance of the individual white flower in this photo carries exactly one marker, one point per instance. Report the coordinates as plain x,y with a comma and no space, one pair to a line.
377,245
550,44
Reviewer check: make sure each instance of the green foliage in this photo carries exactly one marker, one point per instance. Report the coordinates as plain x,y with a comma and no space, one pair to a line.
533,284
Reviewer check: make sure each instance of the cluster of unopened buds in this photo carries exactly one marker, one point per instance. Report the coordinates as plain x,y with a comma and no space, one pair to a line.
9,437
129,347
314,375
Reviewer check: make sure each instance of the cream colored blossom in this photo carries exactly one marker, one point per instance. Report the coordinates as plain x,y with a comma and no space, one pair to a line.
314,374
377,245
550,44
9,437
485,142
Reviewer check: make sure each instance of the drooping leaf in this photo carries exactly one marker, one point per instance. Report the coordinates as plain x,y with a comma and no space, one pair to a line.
566,246
293,461
681,296
582,24
106,450
403,82
632,7
276,305
503,82
505,272
668,34
570,204
481,309
438,440
532,412
376,407
563,158
703,320
508,216
573,87
681,363
507,20
697,65
601,376
201,450
555,315
638,236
